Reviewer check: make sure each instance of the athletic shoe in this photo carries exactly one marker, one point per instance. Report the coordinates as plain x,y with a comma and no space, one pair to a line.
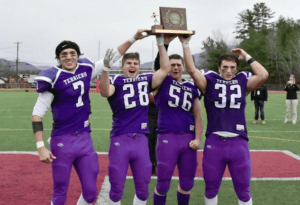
263,122
254,122
286,121
294,122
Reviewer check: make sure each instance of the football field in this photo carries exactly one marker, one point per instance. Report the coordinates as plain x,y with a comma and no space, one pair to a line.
275,150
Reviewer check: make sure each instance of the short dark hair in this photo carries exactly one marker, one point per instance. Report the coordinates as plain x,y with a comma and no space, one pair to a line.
229,57
135,56
65,45
176,56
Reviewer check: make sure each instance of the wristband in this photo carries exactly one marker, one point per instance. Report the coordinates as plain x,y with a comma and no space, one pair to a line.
251,60
132,39
185,44
248,57
160,40
40,144
37,126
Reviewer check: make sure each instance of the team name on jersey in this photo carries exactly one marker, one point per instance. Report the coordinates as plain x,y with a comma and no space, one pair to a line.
230,82
76,77
130,80
182,86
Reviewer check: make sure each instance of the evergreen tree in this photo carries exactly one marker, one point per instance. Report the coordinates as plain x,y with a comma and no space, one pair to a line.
213,50
256,19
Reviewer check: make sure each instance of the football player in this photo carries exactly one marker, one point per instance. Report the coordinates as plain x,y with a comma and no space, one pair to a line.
227,140
179,132
65,88
128,97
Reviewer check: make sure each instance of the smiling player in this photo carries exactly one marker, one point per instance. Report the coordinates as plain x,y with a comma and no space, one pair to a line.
65,88
227,140
128,97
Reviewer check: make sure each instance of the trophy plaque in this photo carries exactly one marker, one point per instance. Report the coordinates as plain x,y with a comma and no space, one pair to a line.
172,21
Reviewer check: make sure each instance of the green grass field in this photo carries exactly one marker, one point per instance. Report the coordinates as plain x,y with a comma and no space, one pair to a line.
16,135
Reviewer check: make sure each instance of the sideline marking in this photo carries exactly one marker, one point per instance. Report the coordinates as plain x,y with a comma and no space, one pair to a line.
6,129
104,192
229,178
279,139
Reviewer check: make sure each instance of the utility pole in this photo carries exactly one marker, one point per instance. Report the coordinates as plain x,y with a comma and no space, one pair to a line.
17,61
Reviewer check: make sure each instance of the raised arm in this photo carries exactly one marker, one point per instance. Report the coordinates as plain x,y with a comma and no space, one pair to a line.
196,74
167,40
111,56
260,73
137,36
165,66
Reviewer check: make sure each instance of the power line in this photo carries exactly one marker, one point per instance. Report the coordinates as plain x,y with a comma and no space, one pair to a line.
6,48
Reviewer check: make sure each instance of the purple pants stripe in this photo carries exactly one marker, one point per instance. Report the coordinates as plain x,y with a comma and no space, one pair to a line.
74,150
129,149
231,152
173,149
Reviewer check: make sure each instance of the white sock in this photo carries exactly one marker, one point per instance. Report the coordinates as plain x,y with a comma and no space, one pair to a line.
82,201
52,203
213,201
246,203
110,202
137,201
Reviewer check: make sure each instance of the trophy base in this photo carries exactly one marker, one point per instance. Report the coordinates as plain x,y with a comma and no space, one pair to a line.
158,29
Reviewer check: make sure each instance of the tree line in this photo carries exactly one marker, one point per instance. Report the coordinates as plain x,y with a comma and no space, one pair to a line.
276,45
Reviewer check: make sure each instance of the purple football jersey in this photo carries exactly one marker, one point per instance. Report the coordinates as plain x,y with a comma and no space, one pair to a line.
225,103
175,102
130,104
71,103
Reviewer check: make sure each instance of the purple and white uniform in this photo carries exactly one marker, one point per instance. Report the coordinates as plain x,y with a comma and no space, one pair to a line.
176,128
71,142
129,144
227,140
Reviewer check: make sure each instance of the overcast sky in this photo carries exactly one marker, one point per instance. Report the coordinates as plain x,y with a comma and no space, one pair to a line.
42,25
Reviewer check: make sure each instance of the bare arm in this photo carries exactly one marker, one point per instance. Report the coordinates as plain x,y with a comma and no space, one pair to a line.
260,73
195,144
137,36
40,108
167,40
165,66
107,90
196,74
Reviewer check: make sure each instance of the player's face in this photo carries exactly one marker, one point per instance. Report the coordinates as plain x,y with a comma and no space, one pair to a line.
131,68
68,59
176,69
228,69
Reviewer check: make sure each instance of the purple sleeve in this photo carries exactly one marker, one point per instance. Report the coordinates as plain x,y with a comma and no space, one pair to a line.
44,80
86,61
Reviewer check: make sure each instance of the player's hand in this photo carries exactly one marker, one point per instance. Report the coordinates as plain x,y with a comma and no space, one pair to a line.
252,101
45,155
109,59
169,38
240,52
184,38
139,34
195,144
151,98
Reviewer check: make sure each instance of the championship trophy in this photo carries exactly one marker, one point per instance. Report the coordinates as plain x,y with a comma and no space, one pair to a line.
172,21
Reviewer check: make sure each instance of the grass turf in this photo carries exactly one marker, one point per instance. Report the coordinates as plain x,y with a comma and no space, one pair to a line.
16,135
